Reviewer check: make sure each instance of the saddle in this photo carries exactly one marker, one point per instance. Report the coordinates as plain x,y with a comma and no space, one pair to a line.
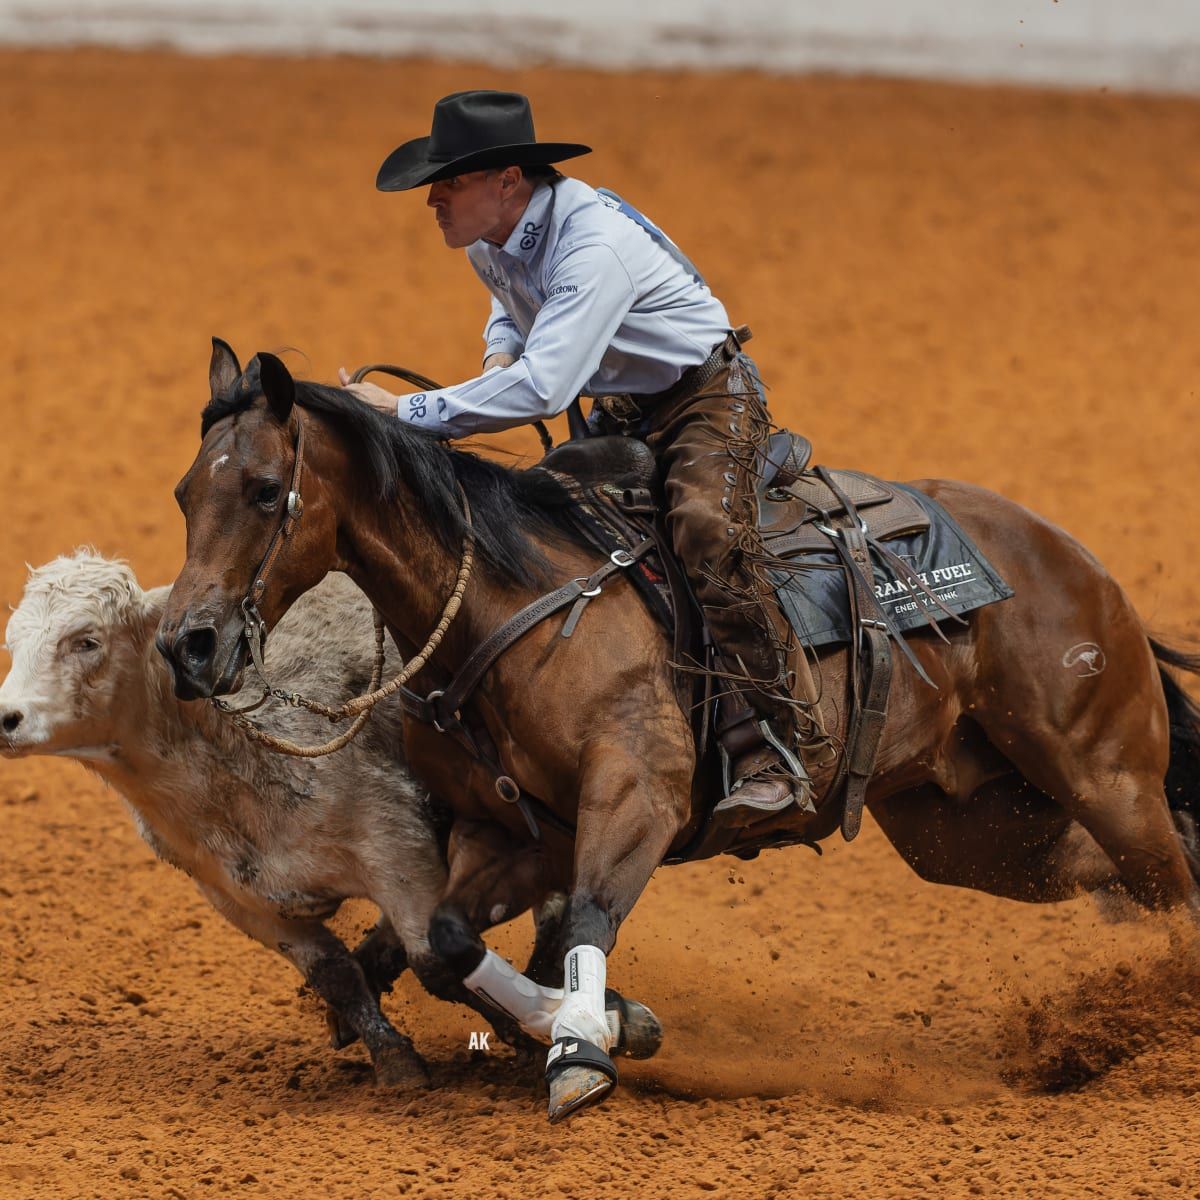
610,483
797,505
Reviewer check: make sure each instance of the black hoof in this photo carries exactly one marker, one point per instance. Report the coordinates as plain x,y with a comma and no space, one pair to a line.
639,1032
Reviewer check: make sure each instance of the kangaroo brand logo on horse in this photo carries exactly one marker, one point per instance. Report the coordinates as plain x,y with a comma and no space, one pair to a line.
1086,658
532,232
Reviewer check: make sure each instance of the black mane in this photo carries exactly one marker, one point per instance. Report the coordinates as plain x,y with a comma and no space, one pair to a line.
509,508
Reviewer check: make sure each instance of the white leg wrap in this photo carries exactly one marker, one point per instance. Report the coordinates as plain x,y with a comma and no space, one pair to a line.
505,988
581,1014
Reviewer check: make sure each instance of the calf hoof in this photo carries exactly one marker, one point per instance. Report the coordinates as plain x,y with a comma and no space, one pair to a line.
400,1069
578,1074
638,1031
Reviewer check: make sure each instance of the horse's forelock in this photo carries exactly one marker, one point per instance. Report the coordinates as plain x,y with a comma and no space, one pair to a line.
74,588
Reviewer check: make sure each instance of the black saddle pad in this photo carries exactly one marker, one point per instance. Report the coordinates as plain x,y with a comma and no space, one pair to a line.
943,558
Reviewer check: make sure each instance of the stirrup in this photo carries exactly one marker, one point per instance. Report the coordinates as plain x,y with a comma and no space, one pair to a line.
790,760
800,791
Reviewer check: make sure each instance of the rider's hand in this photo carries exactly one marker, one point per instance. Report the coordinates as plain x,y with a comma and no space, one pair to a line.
370,393
497,360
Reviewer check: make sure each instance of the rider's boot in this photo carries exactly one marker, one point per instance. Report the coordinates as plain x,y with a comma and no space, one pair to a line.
763,775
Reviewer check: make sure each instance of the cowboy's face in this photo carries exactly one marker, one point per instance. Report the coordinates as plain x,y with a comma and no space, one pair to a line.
472,206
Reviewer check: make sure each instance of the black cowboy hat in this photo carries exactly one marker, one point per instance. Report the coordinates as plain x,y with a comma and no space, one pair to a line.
472,131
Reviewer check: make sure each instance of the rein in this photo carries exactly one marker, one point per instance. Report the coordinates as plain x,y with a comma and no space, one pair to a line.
423,381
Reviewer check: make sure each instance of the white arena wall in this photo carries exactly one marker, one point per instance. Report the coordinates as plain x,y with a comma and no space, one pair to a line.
1120,44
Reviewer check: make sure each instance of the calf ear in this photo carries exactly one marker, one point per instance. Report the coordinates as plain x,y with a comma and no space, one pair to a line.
223,368
277,385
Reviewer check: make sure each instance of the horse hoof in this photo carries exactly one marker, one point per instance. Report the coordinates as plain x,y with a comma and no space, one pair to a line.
400,1069
574,1088
639,1032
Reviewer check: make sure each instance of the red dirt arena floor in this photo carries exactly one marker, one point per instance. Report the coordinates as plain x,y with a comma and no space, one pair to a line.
987,284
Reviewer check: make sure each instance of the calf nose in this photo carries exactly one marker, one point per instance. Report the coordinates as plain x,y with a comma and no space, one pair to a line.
11,721
194,648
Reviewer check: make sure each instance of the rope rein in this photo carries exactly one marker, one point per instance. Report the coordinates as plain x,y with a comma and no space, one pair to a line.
361,707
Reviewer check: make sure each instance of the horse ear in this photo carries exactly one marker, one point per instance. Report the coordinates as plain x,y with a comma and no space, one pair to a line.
277,384
223,368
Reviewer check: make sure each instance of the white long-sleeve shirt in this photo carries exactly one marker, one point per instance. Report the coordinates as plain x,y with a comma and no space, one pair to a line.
587,300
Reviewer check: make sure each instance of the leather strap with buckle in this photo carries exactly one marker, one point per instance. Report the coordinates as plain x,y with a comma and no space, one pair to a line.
442,708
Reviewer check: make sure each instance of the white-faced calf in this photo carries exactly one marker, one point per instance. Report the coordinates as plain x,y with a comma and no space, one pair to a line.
274,843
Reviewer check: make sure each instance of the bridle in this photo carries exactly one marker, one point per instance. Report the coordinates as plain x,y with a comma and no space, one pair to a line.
255,629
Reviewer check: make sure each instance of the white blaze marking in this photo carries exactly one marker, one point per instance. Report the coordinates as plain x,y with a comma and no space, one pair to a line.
218,463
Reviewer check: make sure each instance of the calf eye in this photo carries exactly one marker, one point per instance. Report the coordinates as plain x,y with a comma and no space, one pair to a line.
268,495
85,645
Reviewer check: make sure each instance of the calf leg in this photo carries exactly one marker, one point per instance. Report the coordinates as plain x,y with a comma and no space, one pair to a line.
337,978
383,959
382,956
339,981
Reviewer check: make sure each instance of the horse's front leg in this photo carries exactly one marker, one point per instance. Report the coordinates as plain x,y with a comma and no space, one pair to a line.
493,876
633,802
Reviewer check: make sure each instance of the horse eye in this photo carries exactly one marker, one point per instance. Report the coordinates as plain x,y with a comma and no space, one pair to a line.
268,494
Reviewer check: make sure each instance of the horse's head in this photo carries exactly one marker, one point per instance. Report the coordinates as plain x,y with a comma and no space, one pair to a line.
253,544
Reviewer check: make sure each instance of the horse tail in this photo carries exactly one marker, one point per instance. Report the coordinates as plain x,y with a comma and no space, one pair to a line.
1182,783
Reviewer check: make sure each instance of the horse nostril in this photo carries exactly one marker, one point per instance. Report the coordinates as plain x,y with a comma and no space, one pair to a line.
197,647
10,721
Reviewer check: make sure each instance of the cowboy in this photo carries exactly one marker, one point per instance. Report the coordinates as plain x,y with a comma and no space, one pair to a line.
588,296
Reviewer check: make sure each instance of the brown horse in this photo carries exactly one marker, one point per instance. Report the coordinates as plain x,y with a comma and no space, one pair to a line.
1033,770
